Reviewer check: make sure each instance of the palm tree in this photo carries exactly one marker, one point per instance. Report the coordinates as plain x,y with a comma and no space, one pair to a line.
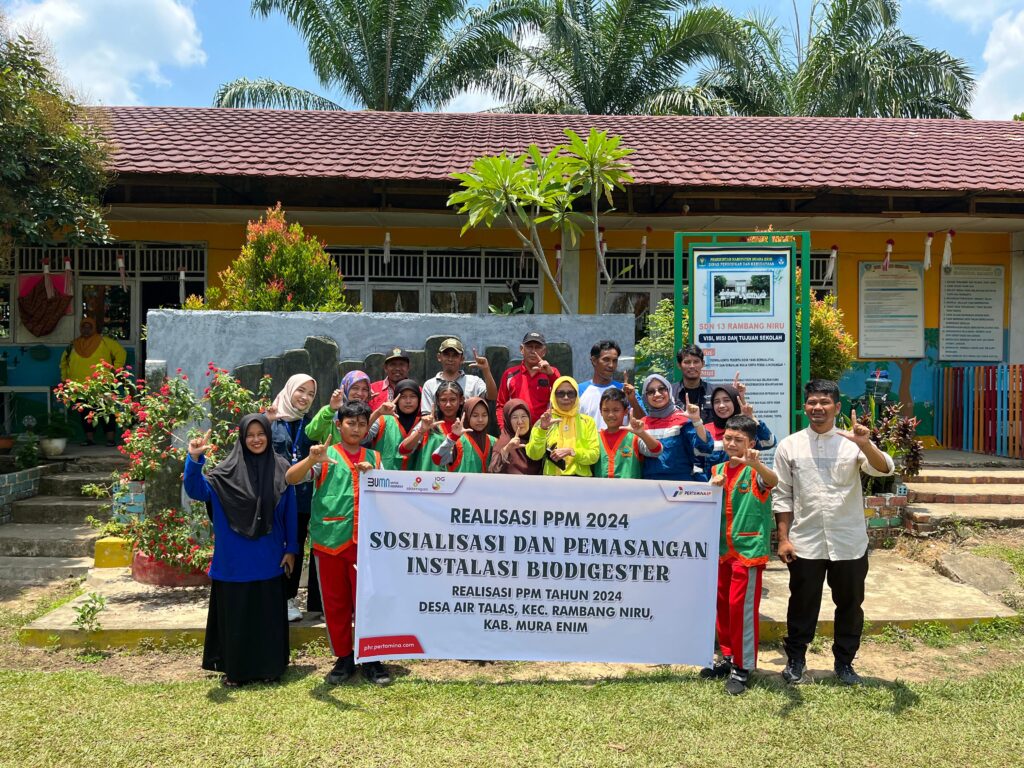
855,62
618,57
387,55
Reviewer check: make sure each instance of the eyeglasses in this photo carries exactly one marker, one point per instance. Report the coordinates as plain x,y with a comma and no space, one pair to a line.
657,391
566,395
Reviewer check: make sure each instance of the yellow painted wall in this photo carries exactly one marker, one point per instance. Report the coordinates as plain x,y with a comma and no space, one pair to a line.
224,241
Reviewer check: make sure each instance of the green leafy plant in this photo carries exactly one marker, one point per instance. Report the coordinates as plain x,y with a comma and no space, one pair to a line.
656,353
509,308
87,614
280,269
896,435
535,189
57,426
26,451
179,538
832,348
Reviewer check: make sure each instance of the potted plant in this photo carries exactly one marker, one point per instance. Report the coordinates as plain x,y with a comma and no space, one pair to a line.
55,435
172,548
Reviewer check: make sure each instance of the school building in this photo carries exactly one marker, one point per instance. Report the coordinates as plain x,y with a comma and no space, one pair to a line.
373,186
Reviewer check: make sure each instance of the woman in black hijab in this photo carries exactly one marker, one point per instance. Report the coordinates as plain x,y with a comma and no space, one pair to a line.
255,528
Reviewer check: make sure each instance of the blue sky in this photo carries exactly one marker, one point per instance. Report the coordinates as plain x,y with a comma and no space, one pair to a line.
177,52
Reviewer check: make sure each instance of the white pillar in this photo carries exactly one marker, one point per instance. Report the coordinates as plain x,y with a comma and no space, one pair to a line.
1017,299
571,274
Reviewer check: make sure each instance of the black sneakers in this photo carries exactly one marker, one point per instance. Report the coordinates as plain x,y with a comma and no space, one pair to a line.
717,671
846,674
794,672
375,673
737,682
343,669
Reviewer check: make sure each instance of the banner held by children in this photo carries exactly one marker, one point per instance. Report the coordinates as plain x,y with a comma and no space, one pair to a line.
463,566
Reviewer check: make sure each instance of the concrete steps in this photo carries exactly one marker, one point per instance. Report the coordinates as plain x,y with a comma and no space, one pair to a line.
978,476
42,570
965,493
948,515
70,484
56,509
33,540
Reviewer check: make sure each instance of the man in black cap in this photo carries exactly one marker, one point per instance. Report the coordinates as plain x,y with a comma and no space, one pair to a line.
396,368
531,380
451,355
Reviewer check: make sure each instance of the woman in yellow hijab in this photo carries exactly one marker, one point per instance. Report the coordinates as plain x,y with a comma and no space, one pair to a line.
565,438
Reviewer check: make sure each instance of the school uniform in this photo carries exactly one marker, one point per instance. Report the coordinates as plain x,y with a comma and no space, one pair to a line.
622,454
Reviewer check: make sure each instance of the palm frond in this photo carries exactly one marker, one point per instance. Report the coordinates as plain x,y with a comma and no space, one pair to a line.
269,94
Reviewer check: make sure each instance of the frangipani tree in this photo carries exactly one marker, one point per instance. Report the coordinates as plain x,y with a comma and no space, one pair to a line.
535,189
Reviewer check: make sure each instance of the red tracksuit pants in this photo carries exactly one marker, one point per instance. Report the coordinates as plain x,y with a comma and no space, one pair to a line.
337,577
739,600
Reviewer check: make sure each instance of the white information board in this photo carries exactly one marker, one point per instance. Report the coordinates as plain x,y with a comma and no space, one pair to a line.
536,569
891,310
971,313
742,317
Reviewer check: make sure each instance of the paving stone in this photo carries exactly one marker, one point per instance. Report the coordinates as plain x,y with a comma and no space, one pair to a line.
991,576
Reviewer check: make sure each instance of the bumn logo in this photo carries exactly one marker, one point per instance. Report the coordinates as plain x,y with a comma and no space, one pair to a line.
381,482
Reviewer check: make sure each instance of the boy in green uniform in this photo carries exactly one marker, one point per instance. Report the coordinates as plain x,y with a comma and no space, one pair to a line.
743,551
334,529
622,448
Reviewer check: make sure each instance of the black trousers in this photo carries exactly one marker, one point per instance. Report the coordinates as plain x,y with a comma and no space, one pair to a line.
313,602
846,580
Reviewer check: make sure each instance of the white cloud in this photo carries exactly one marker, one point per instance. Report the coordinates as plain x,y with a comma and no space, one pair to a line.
107,49
472,101
976,13
999,95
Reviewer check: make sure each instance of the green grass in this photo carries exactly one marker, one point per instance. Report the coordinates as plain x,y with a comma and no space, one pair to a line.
654,719
13,620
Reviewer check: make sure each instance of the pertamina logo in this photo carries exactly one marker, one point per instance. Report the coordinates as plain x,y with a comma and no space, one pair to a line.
692,493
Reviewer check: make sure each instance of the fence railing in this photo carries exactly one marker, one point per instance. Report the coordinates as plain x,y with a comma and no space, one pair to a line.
980,408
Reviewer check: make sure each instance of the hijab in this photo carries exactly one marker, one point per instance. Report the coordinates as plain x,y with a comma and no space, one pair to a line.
480,438
734,396
283,402
565,431
249,485
518,462
86,347
669,408
407,420
351,378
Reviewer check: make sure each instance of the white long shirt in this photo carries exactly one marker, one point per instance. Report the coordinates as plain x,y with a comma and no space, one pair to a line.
819,482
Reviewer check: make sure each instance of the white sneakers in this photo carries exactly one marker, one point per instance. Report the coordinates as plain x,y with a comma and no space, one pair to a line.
294,614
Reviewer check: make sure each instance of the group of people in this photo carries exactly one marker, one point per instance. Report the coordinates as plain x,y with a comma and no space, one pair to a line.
293,475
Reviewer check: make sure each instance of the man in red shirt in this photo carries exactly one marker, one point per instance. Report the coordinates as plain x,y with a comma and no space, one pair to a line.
396,368
531,380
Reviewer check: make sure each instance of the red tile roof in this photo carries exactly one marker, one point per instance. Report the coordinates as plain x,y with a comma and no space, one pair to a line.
790,153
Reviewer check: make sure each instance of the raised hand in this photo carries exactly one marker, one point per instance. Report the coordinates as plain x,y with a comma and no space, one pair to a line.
318,453
547,419
459,427
272,412
629,390
746,408
426,423
337,399
198,446
859,433
636,424
543,366
739,386
692,409
750,457
389,407
512,445
480,361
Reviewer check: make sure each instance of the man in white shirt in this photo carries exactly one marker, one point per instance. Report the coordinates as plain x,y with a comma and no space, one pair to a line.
822,533
604,356
451,355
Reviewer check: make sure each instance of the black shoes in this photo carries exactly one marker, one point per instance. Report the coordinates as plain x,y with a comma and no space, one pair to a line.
737,682
343,669
375,673
794,673
718,671
846,675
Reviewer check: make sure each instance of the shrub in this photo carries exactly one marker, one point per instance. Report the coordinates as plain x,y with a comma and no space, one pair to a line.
280,269
181,539
832,348
656,353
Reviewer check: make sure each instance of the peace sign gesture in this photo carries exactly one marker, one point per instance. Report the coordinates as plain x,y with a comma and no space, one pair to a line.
198,446
389,407
480,361
858,433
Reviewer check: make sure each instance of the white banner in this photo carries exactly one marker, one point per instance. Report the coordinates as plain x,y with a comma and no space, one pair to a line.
742,318
536,568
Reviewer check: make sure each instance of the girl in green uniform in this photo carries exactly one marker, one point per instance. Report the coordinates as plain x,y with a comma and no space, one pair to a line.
389,431
434,428
468,448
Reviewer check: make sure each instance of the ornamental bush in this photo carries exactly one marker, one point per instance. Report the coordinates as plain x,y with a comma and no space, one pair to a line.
280,269
832,348
655,353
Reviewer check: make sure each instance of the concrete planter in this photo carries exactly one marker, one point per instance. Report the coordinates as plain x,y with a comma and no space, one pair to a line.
147,570
112,552
52,447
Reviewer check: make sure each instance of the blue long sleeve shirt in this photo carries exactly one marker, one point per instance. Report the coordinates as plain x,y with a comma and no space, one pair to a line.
765,440
236,558
680,444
